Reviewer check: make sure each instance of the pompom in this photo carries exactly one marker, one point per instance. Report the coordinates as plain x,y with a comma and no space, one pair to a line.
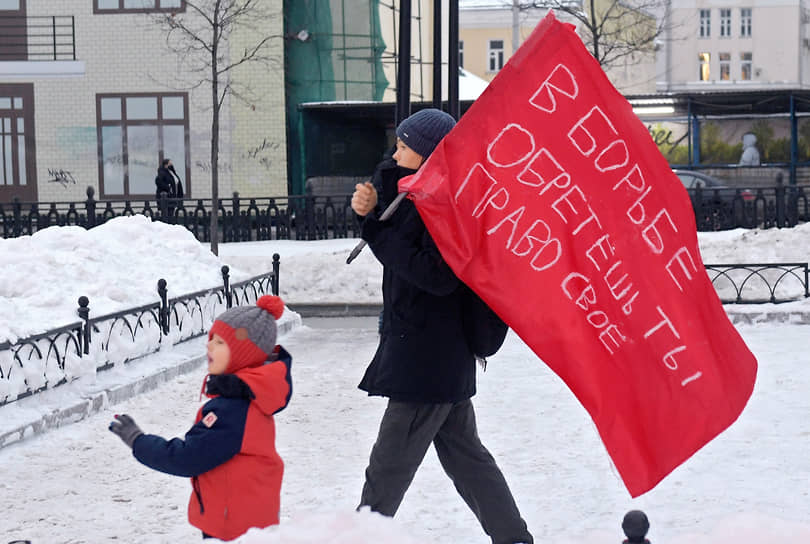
272,304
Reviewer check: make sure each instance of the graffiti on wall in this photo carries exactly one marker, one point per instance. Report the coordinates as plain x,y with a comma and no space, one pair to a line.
261,153
62,177
662,136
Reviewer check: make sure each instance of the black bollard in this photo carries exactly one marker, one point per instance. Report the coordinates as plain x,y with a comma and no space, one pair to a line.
635,526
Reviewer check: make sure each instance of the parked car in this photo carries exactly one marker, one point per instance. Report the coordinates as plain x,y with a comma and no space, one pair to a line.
719,206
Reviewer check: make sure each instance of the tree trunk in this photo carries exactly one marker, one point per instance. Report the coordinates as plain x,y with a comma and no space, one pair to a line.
215,137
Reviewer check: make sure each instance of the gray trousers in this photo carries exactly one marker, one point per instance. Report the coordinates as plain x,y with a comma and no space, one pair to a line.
406,431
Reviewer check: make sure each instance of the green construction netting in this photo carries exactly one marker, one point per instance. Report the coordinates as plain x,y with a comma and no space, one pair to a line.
333,52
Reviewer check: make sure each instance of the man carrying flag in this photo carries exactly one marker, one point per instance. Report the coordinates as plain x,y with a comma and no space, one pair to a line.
424,364
551,181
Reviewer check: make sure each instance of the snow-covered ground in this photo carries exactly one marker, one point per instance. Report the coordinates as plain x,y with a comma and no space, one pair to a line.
78,483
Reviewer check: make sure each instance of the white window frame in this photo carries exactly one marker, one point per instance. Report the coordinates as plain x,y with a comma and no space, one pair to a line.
745,22
704,69
746,63
725,66
705,30
725,22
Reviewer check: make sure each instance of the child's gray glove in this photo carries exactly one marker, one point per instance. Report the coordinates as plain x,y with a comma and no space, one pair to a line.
126,429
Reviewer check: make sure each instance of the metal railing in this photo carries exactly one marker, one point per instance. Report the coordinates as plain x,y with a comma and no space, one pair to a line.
762,207
38,38
240,219
308,217
759,283
34,364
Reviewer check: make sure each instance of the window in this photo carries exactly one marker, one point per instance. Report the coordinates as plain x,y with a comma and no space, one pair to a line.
13,30
705,23
725,66
745,66
137,6
136,132
17,168
495,55
745,22
704,66
461,53
725,23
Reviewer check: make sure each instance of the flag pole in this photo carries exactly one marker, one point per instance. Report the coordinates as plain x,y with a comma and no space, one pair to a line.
385,215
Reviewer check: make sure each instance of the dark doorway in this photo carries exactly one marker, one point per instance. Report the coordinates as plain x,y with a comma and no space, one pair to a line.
18,175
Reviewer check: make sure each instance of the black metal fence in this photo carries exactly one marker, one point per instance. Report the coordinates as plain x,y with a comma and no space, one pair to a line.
38,38
31,365
762,207
330,216
239,219
759,283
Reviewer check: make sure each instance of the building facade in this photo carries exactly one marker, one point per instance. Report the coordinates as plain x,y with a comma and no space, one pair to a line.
487,28
91,96
736,45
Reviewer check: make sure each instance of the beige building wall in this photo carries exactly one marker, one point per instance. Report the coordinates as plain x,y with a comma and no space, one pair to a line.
480,25
125,53
778,45
258,131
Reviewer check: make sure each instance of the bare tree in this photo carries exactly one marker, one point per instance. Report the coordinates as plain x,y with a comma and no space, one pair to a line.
201,38
612,30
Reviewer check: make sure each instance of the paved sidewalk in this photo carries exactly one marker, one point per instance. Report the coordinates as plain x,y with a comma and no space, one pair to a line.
73,402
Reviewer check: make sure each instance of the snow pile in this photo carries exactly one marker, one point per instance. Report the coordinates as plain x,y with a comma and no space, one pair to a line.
116,265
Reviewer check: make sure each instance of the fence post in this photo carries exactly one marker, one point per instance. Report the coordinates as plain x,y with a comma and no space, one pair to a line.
226,281
236,224
310,216
16,209
84,314
780,200
276,265
90,207
163,312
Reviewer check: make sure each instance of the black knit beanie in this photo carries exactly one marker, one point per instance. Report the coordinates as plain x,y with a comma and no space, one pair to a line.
423,130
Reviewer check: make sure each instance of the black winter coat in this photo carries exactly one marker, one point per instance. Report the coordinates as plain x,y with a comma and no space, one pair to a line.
423,355
165,183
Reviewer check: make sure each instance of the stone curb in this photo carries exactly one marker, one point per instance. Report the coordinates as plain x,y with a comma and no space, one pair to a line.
99,400
373,309
337,309
752,318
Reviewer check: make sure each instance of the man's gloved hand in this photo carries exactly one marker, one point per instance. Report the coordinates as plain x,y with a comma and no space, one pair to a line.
230,386
126,429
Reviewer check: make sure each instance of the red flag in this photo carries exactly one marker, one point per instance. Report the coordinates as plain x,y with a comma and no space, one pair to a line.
551,201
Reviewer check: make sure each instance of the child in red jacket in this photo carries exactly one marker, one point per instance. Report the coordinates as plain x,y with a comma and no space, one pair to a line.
230,452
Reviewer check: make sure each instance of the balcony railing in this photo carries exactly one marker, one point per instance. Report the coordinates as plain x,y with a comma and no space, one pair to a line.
37,38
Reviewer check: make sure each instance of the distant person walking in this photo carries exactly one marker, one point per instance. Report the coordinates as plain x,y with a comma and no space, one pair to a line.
167,181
